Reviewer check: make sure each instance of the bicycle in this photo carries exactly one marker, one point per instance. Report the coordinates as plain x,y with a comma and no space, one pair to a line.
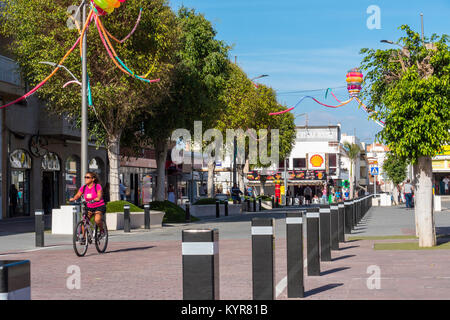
81,240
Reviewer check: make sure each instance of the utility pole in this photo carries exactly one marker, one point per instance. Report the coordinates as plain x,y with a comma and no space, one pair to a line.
421,20
84,113
234,159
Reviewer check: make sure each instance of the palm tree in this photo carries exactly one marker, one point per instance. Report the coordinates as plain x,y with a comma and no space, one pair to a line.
352,151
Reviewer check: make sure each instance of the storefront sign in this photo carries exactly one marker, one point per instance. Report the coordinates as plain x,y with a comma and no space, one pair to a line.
316,161
307,175
20,159
50,162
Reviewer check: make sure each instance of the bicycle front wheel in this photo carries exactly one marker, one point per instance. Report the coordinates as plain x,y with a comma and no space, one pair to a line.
101,239
80,243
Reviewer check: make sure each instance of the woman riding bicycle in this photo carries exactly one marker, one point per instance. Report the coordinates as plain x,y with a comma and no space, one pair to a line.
93,195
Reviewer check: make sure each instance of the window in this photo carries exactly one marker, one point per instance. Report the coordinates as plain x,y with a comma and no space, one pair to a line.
332,160
299,163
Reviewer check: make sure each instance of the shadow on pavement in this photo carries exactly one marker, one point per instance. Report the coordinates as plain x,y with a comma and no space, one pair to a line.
349,247
129,249
333,270
322,289
343,257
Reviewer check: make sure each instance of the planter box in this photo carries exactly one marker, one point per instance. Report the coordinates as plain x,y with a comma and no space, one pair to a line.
114,221
209,210
62,220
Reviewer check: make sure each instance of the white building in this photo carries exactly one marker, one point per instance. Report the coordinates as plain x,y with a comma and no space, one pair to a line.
376,154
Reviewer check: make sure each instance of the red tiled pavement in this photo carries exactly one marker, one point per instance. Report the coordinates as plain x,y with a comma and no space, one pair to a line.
152,270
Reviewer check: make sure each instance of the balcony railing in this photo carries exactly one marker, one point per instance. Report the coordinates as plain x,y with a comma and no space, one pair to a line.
9,71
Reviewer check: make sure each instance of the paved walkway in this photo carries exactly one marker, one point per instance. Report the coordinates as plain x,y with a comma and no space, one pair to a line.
147,265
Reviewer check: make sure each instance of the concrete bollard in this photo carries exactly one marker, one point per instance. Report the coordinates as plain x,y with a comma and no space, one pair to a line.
15,280
312,241
341,213
263,259
226,208
200,250
325,232
217,209
348,216
187,213
294,244
39,227
126,218
334,226
147,216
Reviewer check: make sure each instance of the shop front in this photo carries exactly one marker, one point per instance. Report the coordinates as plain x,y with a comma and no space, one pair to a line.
19,186
51,171
441,172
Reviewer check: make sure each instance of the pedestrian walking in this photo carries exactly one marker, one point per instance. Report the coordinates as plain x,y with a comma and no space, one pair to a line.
408,190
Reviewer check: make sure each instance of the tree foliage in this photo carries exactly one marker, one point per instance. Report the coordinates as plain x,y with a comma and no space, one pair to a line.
395,168
409,89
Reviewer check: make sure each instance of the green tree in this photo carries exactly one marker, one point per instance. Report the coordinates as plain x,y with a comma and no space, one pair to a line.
249,108
40,33
352,151
395,169
409,89
198,78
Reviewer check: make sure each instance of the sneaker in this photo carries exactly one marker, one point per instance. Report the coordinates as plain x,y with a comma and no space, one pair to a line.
82,241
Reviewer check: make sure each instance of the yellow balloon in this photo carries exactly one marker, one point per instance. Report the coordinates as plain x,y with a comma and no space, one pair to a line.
113,3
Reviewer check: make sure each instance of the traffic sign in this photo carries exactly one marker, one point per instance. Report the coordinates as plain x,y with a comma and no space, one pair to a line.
374,171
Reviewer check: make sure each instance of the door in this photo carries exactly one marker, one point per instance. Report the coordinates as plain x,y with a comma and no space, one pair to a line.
19,193
50,191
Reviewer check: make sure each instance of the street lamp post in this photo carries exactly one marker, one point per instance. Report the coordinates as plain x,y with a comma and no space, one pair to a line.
84,114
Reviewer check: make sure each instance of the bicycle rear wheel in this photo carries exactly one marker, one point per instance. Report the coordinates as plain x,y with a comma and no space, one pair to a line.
80,243
101,240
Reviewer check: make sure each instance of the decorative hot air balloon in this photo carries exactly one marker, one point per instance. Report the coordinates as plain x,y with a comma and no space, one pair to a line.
354,80
103,7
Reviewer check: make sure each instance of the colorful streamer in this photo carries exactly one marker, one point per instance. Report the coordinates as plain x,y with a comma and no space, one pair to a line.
130,34
303,98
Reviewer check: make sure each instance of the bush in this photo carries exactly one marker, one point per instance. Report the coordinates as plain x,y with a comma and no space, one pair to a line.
265,198
206,201
117,206
173,212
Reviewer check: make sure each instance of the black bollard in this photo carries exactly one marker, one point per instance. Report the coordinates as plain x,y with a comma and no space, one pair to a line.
348,216
217,209
341,222
248,204
15,280
126,218
226,208
273,202
75,216
294,243
277,202
254,204
334,226
39,227
147,216
263,259
187,212
200,249
325,233
259,202
312,241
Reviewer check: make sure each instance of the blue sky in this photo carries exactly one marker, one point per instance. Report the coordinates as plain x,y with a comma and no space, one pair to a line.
306,45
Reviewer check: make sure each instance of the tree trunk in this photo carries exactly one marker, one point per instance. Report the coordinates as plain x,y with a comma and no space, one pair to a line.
263,185
352,188
211,168
114,165
424,203
414,183
161,156
395,193
240,170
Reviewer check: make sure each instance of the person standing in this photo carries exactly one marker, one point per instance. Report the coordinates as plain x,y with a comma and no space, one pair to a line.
408,190
308,194
13,195
171,194
122,189
235,192
446,180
